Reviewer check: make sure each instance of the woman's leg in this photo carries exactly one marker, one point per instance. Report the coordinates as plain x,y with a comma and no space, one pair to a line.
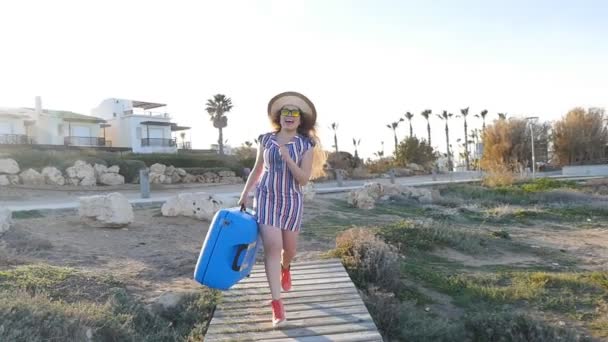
290,242
273,244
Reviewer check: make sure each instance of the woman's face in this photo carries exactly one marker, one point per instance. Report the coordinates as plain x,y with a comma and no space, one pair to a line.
290,117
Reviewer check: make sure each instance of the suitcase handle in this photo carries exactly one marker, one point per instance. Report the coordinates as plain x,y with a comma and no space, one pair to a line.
235,262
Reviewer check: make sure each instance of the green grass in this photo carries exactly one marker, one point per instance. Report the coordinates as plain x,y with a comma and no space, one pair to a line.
26,214
43,302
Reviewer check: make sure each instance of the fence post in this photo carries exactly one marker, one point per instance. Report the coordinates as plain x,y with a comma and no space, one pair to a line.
391,173
144,182
339,177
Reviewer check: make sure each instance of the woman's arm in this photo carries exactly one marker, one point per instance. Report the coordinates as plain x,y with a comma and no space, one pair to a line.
300,173
254,175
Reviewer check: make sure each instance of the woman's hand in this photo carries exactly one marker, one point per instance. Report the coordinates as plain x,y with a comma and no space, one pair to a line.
284,152
243,201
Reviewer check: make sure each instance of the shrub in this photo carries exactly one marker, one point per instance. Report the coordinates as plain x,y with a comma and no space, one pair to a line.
341,160
412,150
580,137
513,327
382,165
128,168
368,259
545,184
498,175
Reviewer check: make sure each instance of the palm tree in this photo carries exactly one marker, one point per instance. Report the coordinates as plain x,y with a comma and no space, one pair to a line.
502,116
482,115
426,114
464,113
334,127
217,107
248,143
356,143
183,136
394,126
409,117
445,116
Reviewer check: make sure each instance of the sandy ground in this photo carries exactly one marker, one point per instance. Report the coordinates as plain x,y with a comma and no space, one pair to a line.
153,255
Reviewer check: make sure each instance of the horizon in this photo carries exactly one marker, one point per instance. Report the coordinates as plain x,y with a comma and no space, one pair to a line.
540,59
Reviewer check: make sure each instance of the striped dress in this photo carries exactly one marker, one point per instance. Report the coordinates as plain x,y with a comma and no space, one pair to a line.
278,195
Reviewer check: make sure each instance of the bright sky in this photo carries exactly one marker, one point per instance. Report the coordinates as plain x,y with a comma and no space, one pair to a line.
363,63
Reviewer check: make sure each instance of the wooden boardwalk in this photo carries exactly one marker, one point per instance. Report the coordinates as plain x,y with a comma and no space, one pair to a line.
323,305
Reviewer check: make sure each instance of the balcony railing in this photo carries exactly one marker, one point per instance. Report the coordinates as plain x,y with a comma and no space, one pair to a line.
15,139
186,145
160,142
84,141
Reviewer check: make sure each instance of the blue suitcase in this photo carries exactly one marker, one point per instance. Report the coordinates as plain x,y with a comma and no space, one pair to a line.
229,250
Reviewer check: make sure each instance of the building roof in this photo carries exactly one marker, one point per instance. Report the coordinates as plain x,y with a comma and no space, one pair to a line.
156,123
71,116
146,105
16,113
176,128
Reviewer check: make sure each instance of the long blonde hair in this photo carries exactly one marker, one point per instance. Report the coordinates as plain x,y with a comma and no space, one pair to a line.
307,129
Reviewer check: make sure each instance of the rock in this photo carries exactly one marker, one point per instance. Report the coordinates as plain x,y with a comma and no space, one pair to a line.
403,172
167,180
169,171
415,167
6,217
72,181
31,177
100,170
52,176
156,178
14,179
84,170
308,192
4,180
113,169
88,181
226,174
201,179
373,189
200,205
112,210
9,166
175,178
429,196
71,172
111,179
211,177
361,199
231,180
158,168
181,172
190,179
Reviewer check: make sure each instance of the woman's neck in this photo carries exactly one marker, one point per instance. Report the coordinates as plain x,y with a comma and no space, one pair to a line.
288,134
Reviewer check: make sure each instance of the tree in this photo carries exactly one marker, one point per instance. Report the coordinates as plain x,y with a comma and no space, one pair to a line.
248,144
394,126
334,127
217,107
502,116
356,144
183,136
464,113
580,137
426,114
412,150
445,117
483,115
409,117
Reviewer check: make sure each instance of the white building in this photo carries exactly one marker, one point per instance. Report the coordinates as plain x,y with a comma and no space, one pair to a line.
131,124
49,127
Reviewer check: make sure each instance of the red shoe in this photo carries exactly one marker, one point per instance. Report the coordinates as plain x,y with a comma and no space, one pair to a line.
278,313
286,278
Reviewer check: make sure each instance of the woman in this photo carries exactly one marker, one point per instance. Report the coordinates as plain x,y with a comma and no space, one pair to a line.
287,158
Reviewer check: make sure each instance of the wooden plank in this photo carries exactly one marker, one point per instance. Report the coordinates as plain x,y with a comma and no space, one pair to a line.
294,282
305,288
289,301
316,331
234,312
302,268
263,316
302,272
293,294
308,262
215,329
362,336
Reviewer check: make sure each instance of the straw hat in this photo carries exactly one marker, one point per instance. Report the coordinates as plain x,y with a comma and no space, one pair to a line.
294,99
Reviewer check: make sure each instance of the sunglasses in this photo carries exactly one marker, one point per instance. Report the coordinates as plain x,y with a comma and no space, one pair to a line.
291,112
